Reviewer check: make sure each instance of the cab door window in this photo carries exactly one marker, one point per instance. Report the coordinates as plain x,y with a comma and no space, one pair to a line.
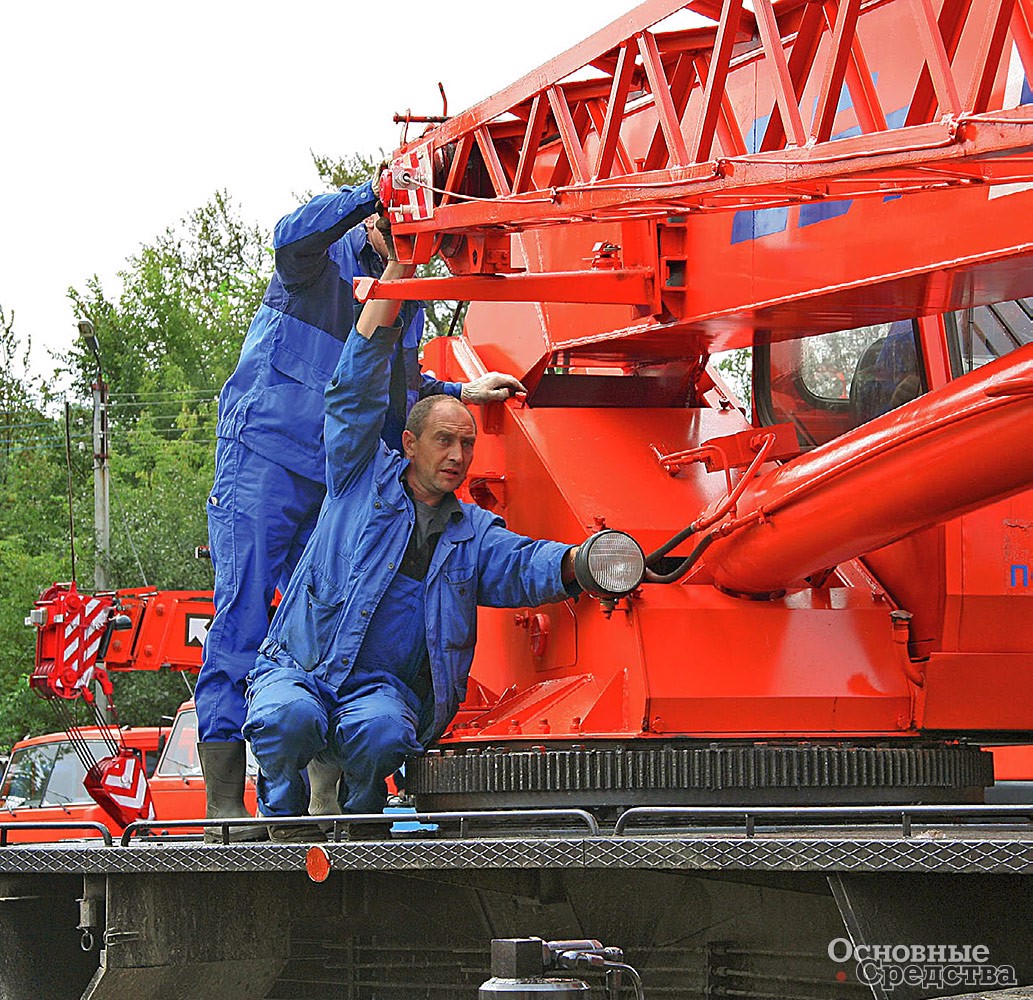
830,383
65,786
979,335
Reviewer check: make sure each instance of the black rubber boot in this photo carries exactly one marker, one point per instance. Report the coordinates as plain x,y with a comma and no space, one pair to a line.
223,765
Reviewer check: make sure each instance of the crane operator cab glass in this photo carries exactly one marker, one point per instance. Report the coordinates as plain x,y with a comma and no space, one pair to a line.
831,383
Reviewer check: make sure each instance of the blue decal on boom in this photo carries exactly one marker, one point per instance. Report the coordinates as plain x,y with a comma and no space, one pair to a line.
1016,569
762,222
751,225
819,211
756,133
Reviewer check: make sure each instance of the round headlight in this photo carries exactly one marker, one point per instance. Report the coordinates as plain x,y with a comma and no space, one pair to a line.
609,564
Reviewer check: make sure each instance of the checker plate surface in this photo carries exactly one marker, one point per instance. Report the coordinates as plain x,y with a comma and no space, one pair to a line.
947,853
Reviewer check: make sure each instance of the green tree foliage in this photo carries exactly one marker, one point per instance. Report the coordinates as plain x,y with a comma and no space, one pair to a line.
187,300
34,549
167,343
736,367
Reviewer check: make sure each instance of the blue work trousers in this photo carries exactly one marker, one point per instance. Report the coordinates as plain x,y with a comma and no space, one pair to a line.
260,516
367,731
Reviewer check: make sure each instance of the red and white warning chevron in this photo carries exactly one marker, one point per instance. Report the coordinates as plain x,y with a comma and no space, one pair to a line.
119,786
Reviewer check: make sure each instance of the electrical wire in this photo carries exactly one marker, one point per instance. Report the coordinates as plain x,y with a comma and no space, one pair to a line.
470,197
147,403
164,392
129,538
684,566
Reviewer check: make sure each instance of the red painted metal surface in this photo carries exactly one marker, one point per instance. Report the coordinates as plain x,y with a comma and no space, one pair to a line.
795,105
956,449
784,173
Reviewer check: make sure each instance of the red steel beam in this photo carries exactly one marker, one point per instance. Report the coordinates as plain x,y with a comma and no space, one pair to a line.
529,146
801,61
844,24
491,160
683,80
626,286
785,97
603,42
936,57
867,106
1022,33
991,47
609,134
652,194
703,135
667,113
953,16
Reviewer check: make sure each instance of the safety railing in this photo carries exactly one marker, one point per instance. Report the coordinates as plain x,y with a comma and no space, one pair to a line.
6,829
904,817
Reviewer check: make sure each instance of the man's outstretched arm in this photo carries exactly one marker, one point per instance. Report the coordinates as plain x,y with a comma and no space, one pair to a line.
301,238
357,397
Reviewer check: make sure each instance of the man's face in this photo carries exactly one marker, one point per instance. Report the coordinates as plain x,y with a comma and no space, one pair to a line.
441,455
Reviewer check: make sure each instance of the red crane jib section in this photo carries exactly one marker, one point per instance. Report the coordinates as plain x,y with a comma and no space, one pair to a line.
671,177
81,637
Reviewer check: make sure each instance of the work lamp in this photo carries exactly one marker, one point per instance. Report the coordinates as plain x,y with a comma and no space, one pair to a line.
609,564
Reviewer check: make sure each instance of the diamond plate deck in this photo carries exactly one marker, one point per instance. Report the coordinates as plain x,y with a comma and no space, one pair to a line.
943,851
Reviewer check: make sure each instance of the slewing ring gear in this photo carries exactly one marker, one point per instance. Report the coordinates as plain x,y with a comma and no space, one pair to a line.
606,776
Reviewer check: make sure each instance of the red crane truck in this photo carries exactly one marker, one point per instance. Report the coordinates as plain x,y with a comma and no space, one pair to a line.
757,770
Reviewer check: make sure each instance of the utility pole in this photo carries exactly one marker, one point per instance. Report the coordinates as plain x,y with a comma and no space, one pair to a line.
101,486
101,495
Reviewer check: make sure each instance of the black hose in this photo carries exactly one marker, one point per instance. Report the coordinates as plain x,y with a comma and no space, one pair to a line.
684,566
670,544
455,318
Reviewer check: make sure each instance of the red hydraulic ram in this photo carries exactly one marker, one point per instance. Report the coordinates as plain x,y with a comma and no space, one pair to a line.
947,452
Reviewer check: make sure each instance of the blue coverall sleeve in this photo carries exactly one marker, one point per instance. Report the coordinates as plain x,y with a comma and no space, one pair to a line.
432,387
302,238
356,404
515,571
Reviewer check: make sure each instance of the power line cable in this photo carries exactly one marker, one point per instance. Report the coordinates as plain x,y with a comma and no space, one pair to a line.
129,538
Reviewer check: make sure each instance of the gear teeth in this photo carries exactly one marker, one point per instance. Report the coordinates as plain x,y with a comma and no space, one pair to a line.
698,775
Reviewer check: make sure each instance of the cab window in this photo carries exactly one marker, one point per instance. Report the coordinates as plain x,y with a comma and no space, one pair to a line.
828,384
65,786
979,335
27,773
180,756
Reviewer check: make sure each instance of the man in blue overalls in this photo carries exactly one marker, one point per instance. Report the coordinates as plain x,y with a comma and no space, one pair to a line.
270,459
368,654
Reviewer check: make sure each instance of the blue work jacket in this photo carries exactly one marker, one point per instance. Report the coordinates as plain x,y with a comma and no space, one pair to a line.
273,401
361,536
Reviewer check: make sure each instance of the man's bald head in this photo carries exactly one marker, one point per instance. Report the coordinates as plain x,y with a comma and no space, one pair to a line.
418,415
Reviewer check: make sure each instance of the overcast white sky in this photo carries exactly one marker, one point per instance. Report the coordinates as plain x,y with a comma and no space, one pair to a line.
120,117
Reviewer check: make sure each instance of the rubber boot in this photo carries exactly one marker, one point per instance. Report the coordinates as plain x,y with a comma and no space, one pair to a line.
323,781
223,764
